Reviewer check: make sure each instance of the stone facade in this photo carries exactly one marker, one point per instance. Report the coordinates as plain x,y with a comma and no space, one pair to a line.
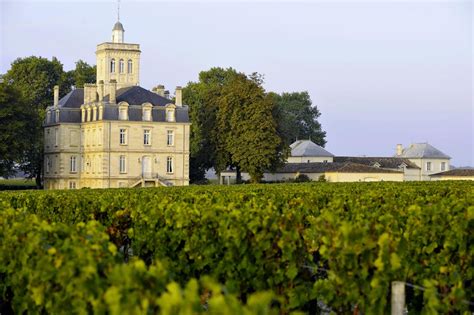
116,133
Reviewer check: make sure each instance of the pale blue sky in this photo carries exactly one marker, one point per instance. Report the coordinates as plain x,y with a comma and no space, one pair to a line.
380,72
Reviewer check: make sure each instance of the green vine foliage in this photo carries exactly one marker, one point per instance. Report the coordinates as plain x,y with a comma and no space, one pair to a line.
249,249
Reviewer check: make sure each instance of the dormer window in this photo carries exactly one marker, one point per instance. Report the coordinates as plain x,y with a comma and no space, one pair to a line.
130,66
170,113
123,115
402,166
146,112
121,66
376,164
112,66
123,111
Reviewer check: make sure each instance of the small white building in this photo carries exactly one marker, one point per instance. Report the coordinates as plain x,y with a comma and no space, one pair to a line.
429,159
306,151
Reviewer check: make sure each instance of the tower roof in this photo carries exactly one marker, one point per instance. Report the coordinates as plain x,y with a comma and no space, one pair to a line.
423,150
308,148
118,27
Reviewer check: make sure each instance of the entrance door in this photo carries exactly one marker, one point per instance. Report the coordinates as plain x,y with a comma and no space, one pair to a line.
146,167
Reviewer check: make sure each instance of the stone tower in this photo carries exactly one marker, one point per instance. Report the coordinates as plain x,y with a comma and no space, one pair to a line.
118,61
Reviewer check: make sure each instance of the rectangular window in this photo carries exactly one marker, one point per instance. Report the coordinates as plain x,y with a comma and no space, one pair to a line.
123,136
443,166
72,185
123,168
170,137
146,137
169,165
73,163
428,166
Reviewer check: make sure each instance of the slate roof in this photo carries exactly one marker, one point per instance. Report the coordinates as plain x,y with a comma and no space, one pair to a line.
308,148
456,172
384,162
136,95
423,150
133,95
73,99
346,167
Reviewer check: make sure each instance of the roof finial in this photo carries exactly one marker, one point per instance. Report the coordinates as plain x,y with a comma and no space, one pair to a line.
118,10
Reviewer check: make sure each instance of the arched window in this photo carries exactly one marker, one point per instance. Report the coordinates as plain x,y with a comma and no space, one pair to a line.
112,66
130,66
121,66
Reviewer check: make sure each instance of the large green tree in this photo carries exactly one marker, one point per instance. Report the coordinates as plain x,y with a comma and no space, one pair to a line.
15,119
232,124
298,118
82,73
245,121
35,78
202,98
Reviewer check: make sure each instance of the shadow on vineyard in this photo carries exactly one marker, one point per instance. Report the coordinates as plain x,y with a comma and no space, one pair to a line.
254,249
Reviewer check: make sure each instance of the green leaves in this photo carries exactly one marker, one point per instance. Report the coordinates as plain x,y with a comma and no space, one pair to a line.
295,246
233,124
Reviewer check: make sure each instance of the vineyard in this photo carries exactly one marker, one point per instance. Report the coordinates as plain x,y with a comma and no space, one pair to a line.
247,249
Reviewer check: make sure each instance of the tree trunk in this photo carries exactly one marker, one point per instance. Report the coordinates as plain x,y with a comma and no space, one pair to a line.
238,179
38,180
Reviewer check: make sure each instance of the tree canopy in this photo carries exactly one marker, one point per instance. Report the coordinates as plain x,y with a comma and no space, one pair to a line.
28,90
232,124
15,119
298,118
83,73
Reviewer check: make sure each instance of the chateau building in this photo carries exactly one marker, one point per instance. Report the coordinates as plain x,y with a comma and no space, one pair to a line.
114,133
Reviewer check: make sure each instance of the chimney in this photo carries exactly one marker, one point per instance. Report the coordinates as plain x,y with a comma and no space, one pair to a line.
113,92
100,90
399,149
167,94
90,93
160,90
56,95
178,96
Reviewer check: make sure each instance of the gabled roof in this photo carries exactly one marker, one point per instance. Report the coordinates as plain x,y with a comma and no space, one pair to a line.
73,99
136,95
384,162
308,148
423,150
456,172
346,167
